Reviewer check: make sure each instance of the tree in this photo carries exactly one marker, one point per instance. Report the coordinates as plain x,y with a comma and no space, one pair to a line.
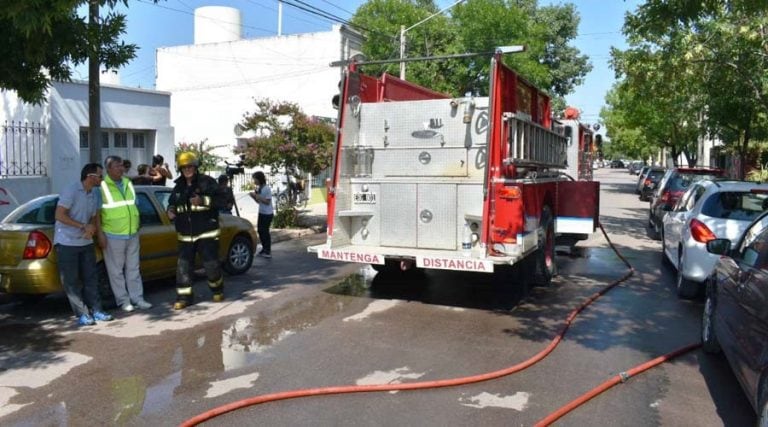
43,40
286,138
206,157
726,45
659,95
477,26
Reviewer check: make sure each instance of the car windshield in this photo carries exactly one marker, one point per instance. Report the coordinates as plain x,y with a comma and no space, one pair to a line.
682,181
655,175
739,205
41,211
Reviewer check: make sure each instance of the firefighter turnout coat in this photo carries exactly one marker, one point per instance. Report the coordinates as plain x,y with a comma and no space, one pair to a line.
197,222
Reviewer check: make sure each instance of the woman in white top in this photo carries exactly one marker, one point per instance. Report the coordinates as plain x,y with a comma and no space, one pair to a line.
263,196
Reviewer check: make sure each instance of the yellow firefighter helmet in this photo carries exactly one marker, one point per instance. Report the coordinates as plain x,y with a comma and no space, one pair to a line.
187,159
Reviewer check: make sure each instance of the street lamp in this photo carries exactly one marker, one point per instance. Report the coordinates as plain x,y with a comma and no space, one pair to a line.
403,31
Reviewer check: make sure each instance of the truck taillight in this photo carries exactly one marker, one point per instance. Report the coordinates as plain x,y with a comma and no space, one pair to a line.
700,232
38,246
510,192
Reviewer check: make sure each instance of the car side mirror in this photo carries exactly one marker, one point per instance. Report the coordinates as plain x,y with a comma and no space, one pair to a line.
719,246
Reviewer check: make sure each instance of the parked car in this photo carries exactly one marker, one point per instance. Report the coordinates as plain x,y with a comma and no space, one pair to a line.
671,186
707,211
634,167
649,181
735,319
640,178
28,262
615,164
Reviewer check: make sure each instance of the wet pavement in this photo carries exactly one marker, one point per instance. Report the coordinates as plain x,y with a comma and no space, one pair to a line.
295,321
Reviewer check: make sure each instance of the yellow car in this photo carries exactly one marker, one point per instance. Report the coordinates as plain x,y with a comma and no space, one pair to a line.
28,260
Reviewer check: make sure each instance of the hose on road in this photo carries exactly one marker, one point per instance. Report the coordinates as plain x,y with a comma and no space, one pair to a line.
346,389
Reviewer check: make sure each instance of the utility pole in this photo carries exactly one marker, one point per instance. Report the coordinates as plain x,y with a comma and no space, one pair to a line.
94,87
403,30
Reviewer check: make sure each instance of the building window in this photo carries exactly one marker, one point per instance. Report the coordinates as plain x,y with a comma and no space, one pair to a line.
105,140
121,140
84,139
138,140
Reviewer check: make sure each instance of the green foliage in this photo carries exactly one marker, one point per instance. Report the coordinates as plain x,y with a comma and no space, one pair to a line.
476,26
42,40
287,217
711,52
287,139
759,175
205,155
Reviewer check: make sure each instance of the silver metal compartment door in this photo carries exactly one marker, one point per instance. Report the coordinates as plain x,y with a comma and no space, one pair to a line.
398,218
437,216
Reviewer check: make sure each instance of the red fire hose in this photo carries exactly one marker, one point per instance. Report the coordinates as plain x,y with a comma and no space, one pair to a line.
344,389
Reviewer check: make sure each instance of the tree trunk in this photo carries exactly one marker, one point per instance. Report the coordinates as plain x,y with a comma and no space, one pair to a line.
94,87
743,150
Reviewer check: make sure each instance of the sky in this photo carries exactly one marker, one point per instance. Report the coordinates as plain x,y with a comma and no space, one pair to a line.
170,23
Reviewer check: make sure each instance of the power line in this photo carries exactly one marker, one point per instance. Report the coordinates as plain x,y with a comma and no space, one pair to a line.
337,7
212,19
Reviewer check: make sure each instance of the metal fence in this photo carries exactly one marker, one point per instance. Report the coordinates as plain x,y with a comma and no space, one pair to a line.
22,149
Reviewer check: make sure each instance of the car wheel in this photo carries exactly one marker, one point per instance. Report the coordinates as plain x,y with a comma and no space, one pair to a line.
545,268
239,256
29,299
105,290
686,289
708,338
282,201
762,404
664,257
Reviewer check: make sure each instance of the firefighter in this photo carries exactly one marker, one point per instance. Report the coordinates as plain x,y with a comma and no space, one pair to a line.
195,204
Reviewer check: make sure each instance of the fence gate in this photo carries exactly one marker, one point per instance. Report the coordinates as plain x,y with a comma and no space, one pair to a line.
23,149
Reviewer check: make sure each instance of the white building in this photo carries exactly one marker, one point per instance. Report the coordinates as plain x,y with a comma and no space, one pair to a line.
44,147
215,81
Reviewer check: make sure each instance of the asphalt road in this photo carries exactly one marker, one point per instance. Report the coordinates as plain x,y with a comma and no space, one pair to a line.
296,322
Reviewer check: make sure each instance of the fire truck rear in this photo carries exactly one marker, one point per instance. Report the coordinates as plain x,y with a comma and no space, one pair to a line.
427,180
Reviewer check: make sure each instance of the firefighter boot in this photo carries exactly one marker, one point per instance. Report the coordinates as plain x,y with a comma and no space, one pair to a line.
217,287
183,301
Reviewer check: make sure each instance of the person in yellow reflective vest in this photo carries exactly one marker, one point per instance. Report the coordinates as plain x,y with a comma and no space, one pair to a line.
194,207
119,236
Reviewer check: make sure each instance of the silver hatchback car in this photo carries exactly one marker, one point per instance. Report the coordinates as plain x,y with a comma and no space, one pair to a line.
710,209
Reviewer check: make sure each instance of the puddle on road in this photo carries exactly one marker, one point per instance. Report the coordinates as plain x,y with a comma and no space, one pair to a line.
218,361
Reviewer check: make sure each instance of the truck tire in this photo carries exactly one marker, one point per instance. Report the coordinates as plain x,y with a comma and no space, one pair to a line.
544,257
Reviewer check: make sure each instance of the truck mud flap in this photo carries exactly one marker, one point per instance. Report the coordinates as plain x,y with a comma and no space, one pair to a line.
578,209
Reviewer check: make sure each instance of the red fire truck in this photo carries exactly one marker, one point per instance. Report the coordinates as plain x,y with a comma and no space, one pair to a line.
422,179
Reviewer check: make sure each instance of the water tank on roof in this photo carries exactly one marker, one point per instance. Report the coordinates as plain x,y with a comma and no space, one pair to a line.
215,24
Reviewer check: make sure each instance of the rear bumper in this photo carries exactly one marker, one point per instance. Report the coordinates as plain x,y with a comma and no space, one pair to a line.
30,277
424,258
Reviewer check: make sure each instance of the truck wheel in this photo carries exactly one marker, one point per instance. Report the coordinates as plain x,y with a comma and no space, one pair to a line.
545,268
105,290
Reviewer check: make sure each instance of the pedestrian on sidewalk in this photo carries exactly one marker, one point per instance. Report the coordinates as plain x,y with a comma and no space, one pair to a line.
263,197
119,236
75,227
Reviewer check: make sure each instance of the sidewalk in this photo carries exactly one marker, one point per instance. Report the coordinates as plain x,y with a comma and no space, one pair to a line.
312,219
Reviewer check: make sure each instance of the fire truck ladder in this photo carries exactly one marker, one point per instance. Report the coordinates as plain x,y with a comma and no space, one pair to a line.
531,145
